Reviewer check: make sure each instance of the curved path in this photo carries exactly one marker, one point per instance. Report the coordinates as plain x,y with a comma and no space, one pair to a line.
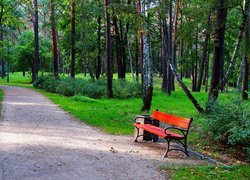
38,140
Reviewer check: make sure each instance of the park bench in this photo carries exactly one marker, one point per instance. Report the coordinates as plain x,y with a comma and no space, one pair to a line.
177,129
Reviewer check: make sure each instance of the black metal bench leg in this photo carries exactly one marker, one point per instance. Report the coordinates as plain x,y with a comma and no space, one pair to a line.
185,147
137,135
167,149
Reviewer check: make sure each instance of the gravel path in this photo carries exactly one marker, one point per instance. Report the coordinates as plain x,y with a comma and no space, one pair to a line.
38,140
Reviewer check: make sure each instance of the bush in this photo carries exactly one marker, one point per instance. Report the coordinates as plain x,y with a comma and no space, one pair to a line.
126,89
229,123
90,88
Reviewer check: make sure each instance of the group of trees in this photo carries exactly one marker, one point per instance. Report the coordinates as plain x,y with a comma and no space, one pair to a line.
201,40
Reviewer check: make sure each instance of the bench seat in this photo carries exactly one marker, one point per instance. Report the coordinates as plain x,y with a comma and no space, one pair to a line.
159,131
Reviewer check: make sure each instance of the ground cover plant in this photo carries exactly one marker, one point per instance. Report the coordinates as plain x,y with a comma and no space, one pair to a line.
208,172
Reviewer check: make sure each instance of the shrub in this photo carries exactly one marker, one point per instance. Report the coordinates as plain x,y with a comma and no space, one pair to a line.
126,89
229,123
93,89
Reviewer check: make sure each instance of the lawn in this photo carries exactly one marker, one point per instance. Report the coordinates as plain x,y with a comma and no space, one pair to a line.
208,172
115,116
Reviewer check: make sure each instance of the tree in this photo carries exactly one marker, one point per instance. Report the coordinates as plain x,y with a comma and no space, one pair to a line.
204,52
218,61
54,41
108,51
146,58
6,7
247,52
73,34
36,40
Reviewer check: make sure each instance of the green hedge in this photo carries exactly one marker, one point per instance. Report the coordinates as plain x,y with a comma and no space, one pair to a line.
93,89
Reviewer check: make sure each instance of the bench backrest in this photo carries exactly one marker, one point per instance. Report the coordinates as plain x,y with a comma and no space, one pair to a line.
172,120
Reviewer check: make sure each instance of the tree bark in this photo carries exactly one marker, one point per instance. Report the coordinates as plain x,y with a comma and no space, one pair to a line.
36,39
108,51
118,49
235,53
73,44
147,85
247,52
54,43
204,52
170,45
217,70
98,65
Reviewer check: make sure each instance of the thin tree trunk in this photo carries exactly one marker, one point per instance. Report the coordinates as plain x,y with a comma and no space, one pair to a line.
175,38
218,49
36,39
247,53
136,56
130,60
170,45
98,65
240,76
235,53
54,43
118,49
204,53
108,51
73,44
2,60
207,69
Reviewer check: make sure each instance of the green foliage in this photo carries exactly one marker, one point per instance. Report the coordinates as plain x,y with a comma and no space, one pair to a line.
49,83
228,123
208,172
94,89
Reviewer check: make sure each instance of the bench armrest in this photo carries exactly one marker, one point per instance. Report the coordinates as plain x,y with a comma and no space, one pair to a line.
184,131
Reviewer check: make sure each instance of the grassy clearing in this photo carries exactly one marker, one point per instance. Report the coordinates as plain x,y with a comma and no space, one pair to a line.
115,116
208,172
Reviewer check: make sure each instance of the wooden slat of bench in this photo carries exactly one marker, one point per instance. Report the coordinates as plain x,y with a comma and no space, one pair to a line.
171,119
158,131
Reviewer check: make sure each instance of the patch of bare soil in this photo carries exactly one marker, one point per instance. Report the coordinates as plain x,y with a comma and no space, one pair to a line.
38,140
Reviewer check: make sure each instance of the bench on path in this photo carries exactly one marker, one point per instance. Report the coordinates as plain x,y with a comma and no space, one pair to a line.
177,129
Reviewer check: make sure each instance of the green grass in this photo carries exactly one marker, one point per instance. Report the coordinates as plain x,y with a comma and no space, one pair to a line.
208,172
115,116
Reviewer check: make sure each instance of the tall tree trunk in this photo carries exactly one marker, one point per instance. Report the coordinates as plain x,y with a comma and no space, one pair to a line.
195,64
175,37
164,58
205,80
108,51
54,43
166,37
218,60
247,52
73,44
170,45
1,41
204,52
36,39
147,85
136,56
98,65
118,49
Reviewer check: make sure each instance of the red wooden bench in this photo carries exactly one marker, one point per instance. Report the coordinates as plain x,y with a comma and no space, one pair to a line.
169,133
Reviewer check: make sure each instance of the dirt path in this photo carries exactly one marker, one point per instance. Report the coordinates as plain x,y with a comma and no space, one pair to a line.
38,140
